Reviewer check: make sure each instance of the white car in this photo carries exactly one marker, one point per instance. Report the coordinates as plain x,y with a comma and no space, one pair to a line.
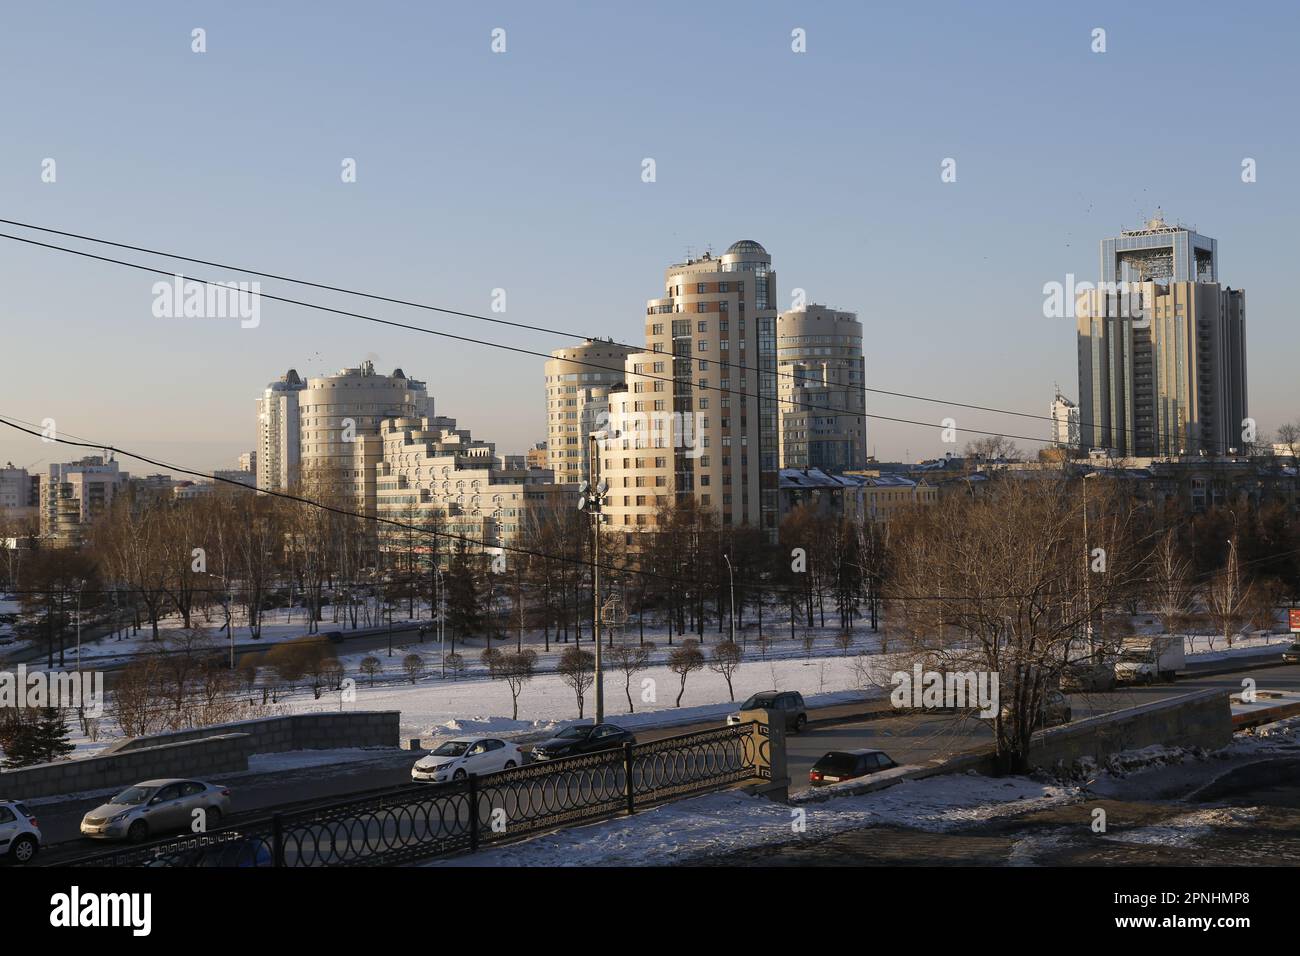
458,758
20,837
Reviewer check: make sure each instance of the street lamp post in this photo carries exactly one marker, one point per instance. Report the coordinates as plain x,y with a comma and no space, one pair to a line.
591,496
1087,569
442,616
732,607
81,586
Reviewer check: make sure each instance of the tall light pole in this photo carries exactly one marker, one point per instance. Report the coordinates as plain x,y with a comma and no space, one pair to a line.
732,608
591,497
81,586
1087,568
442,616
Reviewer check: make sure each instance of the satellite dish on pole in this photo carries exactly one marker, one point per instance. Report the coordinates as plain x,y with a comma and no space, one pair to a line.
602,487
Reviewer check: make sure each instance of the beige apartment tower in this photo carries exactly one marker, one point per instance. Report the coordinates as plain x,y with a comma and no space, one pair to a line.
338,426
697,414
820,380
578,380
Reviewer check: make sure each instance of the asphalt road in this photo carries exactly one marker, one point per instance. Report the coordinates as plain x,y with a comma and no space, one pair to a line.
908,739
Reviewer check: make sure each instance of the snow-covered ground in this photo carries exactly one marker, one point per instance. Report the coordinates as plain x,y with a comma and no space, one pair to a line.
723,822
433,708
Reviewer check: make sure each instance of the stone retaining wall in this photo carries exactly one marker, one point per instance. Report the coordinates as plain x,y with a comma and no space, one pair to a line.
204,752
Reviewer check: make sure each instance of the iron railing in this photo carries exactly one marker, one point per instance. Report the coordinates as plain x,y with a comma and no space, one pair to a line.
423,821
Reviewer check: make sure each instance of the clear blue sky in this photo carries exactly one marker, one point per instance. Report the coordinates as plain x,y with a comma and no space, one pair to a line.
522,171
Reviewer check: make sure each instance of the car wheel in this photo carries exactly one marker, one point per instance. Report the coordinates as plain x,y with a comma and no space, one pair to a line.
458,775
137,832
24,849
213,819
800,723
510,765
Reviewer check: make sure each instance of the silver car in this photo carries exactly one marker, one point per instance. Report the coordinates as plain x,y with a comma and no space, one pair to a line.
156,807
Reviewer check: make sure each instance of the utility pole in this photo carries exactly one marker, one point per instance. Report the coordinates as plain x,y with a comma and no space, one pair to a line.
591,496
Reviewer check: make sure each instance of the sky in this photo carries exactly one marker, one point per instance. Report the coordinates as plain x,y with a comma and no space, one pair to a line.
522,170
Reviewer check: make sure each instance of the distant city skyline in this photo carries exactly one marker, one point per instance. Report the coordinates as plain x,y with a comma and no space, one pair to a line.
478,172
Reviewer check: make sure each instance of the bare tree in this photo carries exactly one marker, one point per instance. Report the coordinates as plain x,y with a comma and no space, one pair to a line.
631,659
682,661
413,664
517,669
725,660
993,447
370,666
577,668
1171,594
1289,436
1227,599
1006,583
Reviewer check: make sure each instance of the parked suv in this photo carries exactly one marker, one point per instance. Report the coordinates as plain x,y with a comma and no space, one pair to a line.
20,837
791,702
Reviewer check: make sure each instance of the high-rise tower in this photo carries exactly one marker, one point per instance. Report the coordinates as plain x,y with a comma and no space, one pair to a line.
822,374
1162,347
698,411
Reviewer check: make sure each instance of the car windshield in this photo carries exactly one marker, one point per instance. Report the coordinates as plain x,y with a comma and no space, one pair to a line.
574,732
452,748
134,795
756,702
836,763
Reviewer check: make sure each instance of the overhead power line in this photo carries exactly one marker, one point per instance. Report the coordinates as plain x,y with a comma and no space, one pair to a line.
910,396
514,348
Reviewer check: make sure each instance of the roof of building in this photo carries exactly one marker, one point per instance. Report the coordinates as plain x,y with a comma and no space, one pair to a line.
745,247
816,478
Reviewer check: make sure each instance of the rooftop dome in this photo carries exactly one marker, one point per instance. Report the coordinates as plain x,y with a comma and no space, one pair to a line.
745,247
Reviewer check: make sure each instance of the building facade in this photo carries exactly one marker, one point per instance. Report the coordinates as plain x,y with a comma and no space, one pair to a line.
73,494
338,426
1162,348
433,474
820,381
1065,422
697,413
578,380
20,492
276,454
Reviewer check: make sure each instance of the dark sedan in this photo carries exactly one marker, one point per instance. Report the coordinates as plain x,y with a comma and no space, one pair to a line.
840,765
1292,654
582,739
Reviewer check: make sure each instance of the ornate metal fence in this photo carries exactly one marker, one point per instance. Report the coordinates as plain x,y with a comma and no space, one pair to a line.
422,822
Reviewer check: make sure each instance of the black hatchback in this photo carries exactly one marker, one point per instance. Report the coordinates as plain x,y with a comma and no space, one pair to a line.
582,739
841,765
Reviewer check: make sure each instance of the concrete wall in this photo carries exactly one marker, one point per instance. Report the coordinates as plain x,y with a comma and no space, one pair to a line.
1202,719
195,758
204,752
364,728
